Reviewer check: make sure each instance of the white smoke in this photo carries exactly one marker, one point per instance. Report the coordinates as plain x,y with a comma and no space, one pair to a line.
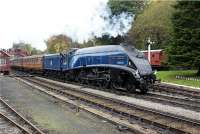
100,22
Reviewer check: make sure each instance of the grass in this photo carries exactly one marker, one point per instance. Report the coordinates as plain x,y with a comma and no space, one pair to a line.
170,76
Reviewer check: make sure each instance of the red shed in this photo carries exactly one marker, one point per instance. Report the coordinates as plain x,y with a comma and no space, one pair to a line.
4,62
157,57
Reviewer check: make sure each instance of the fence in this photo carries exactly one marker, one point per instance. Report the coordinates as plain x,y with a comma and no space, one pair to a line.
187,78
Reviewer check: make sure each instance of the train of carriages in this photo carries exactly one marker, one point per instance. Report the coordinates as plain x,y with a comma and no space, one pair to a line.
111,66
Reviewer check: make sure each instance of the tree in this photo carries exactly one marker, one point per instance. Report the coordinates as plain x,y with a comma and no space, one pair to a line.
153,22
130,6
26,47
23,46
108,40
58,43
35,51
184,51
104,40
117,7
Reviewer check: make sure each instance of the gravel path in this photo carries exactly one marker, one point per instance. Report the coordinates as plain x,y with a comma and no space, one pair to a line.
52,116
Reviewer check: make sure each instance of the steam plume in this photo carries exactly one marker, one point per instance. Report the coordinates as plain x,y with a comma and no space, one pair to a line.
99,23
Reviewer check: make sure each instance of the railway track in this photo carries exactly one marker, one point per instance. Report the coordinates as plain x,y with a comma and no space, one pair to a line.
157,94
12,122
179,100
175,90
165,121
170,90
154,96
186,103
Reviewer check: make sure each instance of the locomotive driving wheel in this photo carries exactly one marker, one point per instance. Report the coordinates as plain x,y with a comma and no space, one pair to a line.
105,82
130,84
115,84
130,87
144,88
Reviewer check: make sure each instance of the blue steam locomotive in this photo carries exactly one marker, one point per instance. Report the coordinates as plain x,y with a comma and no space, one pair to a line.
111,66
114,66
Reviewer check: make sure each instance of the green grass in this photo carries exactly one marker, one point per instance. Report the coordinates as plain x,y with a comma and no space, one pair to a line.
170,76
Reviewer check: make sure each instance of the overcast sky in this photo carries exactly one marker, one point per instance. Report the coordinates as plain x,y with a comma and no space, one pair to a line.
33,21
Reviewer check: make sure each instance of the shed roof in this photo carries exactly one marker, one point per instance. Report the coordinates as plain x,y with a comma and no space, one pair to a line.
5,54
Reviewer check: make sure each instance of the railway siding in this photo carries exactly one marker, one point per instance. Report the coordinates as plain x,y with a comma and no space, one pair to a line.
136,101
51,115
8,127
181,87
186,103
131,126
18,121
177,90
170,122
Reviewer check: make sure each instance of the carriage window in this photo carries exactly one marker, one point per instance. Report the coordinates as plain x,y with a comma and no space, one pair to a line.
2,61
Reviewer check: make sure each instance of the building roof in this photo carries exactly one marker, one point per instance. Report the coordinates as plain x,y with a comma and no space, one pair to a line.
4,53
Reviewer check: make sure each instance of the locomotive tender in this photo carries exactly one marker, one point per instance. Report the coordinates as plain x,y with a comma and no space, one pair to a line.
110,66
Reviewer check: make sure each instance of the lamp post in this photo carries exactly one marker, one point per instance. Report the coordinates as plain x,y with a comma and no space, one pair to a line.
149,42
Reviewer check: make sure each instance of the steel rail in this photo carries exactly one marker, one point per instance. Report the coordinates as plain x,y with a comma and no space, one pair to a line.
170,100
29,127
165,99
23,130
147,115
177,90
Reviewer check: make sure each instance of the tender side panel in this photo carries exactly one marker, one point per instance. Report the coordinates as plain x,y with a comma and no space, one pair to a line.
52,62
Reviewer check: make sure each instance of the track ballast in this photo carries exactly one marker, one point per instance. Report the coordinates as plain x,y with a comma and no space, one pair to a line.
131,112
13,122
